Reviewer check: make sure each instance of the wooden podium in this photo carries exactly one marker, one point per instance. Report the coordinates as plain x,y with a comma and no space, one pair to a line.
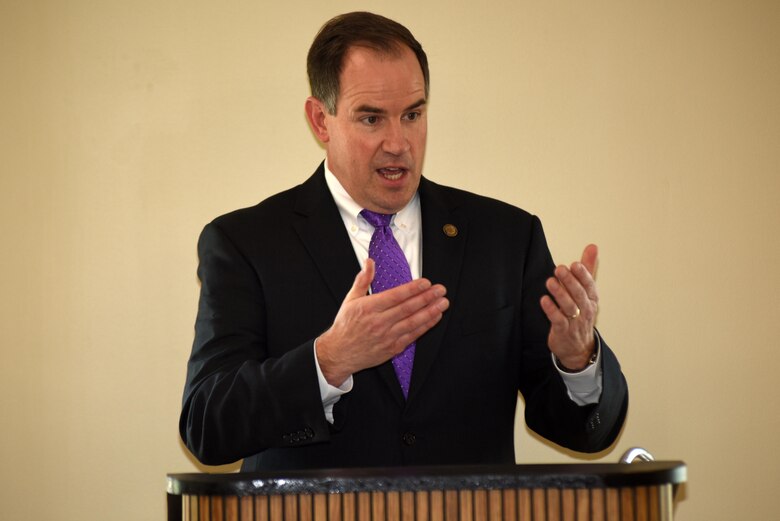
597,492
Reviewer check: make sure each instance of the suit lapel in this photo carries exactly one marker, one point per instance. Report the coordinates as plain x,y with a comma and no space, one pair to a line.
444,235
322,232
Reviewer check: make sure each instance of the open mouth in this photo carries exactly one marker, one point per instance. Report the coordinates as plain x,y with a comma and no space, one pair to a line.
392,173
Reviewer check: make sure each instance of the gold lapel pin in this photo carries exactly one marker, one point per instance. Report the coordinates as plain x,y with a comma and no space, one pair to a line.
450,230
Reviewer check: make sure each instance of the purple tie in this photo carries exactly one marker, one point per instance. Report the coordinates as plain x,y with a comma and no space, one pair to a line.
392,270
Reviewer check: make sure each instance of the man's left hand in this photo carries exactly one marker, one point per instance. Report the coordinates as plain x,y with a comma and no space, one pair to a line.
572,313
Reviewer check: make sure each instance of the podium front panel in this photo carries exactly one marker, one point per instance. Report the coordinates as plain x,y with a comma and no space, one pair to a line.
589,492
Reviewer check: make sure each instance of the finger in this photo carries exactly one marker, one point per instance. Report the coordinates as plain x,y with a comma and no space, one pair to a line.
558,320
430,297
579,284
417,311
393,297
362,281
585,279
590,258
565,289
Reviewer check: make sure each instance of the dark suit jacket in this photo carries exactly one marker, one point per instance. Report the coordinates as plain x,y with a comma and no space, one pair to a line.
272,279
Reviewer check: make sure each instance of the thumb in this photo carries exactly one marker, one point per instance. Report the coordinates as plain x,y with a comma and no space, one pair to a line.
362,281
590,258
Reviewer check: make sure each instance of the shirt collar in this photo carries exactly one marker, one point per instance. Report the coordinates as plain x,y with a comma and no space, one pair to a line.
406,219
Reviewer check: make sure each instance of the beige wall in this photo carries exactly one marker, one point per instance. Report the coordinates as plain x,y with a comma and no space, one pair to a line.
651,128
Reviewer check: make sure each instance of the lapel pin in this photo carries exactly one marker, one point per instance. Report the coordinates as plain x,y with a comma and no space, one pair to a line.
450,230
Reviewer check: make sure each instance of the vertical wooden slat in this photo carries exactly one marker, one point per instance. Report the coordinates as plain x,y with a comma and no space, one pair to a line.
231,508
408,505
204,508
377,506
320,507
642,506
437,505
422,506
598,498
494,499
665,501
583,504
539,503
189,509
349,507
247,508
262,508
568,505
276,508
450,505
291,507
216,508
196,504
305,507
525,504
466,505
553,497
336,507
509,505
392,506
363,510
480,505
655,511
613,504
627,504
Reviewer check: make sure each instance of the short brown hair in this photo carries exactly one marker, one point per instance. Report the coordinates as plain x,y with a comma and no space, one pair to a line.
326,54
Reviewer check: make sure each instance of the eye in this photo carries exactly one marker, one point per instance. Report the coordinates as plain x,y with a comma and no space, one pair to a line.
371,120
412,116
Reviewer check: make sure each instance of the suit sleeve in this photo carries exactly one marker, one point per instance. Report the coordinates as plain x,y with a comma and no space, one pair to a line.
548,409
238,400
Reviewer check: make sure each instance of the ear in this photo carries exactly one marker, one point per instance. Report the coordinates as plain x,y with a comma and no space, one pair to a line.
317,114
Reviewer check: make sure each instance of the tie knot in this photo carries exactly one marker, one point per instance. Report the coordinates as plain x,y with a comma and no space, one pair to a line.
377,220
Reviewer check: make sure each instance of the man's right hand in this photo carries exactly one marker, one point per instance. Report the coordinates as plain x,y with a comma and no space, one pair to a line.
371,329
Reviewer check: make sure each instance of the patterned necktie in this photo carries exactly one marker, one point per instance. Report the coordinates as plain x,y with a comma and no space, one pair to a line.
392,270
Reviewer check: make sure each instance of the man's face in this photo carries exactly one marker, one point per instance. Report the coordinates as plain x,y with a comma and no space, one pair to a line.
376,141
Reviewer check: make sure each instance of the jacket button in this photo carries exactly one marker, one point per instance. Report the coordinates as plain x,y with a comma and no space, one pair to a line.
409,439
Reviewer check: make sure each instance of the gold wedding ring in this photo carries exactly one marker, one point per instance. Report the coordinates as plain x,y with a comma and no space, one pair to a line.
575,315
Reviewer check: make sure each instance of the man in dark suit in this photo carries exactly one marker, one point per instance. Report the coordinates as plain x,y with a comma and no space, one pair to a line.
292,365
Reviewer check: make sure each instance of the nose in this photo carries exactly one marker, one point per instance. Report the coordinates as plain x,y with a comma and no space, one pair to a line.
396,141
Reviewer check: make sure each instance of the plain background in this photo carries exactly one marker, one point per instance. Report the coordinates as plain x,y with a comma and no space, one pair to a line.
649,128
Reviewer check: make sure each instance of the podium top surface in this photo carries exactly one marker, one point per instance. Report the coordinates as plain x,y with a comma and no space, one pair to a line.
587,475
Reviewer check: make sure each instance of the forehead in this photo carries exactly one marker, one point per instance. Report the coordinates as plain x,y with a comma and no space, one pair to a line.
370,76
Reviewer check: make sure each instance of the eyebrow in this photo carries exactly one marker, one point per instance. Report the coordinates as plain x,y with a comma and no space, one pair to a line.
376,110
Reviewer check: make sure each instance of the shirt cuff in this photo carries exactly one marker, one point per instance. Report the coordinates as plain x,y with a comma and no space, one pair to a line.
584,387
329,393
